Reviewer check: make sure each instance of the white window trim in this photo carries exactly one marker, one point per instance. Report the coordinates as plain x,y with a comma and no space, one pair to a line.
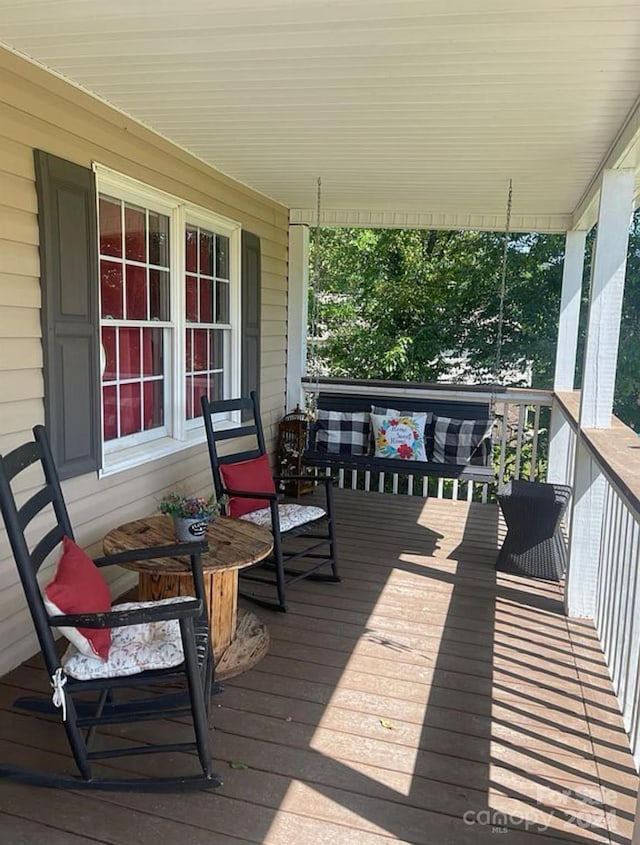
118,457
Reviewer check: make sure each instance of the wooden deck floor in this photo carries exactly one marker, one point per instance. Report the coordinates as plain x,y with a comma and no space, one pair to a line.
422,700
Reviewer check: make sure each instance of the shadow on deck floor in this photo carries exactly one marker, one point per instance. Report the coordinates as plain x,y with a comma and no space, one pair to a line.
422,700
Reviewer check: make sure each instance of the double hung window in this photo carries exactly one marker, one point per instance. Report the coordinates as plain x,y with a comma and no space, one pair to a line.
207,314
169,317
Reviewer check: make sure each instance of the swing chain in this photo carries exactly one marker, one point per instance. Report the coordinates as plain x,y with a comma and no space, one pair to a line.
503,281
313,358
503,288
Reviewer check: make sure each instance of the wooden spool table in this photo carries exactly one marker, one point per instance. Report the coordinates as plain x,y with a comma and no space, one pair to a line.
239,638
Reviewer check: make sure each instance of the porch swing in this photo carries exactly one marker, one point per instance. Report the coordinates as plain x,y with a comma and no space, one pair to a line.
458,433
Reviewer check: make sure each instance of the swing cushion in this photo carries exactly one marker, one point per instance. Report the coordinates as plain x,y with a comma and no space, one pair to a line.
462,441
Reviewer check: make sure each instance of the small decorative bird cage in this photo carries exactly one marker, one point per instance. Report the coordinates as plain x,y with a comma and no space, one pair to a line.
292,440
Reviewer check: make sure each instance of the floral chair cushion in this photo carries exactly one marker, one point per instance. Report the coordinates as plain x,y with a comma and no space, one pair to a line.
291,516
134,648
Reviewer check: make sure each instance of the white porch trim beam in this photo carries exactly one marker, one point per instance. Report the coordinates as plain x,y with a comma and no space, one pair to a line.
366,219
623,153
598,381
297,313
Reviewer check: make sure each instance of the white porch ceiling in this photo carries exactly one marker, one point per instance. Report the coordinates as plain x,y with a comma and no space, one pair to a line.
413,112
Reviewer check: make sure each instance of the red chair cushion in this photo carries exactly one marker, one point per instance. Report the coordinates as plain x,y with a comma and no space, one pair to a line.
252,476
78,587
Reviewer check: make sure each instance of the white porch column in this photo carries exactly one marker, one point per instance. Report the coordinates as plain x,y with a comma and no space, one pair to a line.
559,470
569,310
297,312
598,382
566,349
605,300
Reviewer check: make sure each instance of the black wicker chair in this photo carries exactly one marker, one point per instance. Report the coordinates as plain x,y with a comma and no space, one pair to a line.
534,545
312,556
186,687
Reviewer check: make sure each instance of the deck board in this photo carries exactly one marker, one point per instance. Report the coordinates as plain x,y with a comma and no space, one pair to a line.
421,693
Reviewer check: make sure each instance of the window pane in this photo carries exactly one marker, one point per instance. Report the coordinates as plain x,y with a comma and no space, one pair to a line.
189,392
191,305
136,292
222,257
206,301
129,347
130,408
158,239
110,227
135,236
152,361
222,302
217,348
200,353
191,244
153,410
158,295
206,254
110,412
216,386
111,289
200,388
109,346
188,346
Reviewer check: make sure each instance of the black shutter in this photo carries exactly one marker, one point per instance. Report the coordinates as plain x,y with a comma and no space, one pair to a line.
70,325
251,287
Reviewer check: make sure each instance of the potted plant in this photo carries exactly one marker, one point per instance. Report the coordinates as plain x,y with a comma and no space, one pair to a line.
191,514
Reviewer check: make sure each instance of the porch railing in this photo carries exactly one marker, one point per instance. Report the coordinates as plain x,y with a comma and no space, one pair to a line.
520,438
617,588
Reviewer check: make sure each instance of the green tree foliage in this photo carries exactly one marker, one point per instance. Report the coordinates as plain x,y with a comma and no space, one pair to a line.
400,304
627,395
626,402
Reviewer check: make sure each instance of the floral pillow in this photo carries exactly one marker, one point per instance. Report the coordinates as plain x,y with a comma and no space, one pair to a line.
428,429
398,436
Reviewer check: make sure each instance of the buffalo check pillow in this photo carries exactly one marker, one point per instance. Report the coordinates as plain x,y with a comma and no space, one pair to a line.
342,433
462,441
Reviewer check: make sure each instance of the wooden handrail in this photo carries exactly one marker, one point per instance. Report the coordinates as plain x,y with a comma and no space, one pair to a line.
616,450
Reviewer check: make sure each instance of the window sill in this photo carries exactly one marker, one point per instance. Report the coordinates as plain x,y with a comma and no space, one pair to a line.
145,452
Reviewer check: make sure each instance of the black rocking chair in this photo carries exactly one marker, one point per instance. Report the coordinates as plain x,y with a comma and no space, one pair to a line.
243,481
186,687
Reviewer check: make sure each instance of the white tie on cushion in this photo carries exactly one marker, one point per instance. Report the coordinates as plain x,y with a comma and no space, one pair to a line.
291,516
134,648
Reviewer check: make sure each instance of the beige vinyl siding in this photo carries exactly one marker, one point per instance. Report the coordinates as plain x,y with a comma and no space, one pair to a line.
38,110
